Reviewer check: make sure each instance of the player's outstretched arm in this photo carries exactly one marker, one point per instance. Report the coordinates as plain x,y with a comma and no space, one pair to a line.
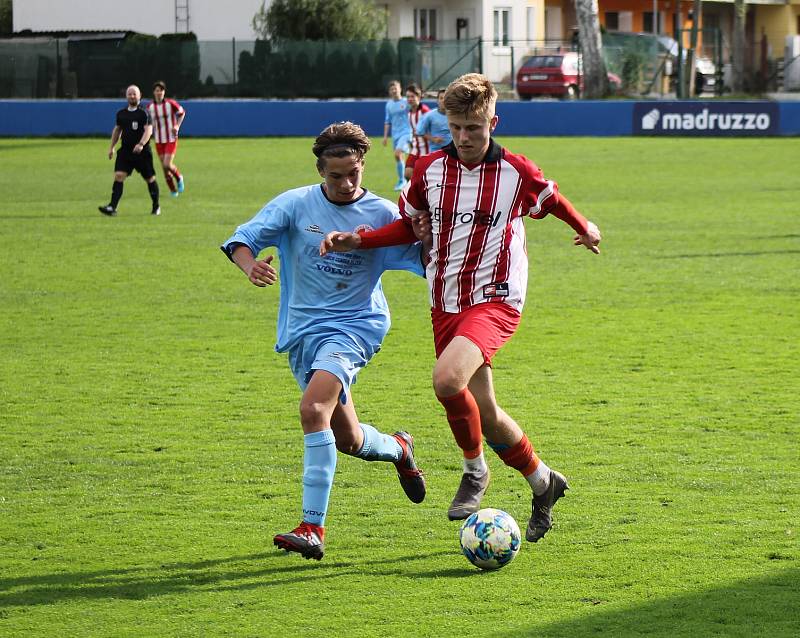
339,242
259,272
591,238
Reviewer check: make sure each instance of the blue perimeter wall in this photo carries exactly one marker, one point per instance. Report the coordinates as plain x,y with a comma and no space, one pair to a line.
245,118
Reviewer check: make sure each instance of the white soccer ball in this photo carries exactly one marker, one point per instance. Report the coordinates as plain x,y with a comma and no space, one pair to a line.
490,538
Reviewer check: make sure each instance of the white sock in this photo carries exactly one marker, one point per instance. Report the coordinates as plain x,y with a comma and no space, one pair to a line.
539,479
476,466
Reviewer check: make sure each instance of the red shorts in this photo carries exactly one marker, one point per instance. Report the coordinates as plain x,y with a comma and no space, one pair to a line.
411,160
487,325
167,148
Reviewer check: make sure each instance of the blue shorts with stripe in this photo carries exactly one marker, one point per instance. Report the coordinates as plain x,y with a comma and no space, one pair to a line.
341,354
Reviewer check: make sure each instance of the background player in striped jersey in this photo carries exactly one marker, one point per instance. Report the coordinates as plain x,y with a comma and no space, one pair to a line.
396,123
416,109
476,194
332,318
167,116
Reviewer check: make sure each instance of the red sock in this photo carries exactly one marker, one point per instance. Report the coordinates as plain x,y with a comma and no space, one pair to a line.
520,456
170,183
175,172
465,421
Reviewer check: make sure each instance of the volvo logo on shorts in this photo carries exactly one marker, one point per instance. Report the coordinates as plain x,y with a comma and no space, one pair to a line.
706,118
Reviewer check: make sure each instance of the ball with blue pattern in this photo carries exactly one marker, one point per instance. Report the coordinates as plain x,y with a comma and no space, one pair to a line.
490,538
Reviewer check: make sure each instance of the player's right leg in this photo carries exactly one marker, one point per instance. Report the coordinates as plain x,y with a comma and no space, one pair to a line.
110,209
166,166
319,464
454,368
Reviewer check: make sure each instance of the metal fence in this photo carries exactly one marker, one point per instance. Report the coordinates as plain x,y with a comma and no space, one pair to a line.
102,66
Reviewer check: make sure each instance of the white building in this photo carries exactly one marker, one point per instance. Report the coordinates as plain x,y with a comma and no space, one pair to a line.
505,26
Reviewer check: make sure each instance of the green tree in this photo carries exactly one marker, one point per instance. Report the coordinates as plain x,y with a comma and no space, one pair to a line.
6,17
320,20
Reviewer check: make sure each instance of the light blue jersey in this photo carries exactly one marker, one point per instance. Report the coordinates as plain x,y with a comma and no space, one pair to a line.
324,298
397,117
435,123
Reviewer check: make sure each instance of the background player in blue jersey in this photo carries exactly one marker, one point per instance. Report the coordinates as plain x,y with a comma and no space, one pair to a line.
397,123
332,318
433,126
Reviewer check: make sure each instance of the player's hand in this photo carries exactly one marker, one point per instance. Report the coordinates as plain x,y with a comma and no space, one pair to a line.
591,238
111,154
138,148
421,224
339,242
384,141
262,273
175,129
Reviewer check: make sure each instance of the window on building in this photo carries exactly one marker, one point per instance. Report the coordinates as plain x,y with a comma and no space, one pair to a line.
612,21
425,24
648,22
502,22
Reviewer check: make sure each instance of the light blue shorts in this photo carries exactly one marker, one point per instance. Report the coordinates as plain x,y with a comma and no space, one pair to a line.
340,354
402,142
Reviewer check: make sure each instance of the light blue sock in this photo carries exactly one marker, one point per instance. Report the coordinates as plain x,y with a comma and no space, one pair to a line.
378,446
319,464
401,169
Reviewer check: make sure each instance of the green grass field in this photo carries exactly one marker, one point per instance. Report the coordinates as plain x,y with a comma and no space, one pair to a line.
150,445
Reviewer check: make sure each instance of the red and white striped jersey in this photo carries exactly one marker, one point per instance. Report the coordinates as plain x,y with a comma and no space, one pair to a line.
419,145
164,116
479,252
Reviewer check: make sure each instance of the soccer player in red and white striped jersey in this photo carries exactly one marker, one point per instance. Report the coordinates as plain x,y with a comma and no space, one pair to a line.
167,116
419,145
477,194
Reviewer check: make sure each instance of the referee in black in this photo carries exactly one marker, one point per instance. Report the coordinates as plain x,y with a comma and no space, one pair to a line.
135,128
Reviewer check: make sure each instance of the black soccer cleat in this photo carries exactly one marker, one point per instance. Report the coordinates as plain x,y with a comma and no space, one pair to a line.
411,478
468,497
306,539
541,516
108,209
156,210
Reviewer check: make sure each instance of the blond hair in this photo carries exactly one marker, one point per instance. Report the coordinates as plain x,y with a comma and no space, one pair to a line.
340,140
471,95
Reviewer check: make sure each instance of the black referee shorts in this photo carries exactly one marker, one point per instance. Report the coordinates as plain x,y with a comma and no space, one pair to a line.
128,161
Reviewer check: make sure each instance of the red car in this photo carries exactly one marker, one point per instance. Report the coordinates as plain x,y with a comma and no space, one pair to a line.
557,75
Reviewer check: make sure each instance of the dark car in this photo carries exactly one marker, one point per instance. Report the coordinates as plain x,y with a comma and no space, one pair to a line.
557,75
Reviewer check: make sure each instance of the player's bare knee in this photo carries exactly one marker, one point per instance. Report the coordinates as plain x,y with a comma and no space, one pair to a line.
446,383
313,413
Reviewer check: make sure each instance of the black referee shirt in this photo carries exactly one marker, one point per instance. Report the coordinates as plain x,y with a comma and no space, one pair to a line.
132,124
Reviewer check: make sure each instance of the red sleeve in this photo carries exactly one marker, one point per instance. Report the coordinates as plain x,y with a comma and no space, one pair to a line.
566,212
394,234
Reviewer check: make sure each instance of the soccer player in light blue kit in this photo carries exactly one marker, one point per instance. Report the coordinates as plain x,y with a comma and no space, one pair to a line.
433,126
332,318
397,123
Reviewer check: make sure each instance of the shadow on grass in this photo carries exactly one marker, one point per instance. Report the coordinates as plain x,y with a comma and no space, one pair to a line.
768,606
755,253
226,574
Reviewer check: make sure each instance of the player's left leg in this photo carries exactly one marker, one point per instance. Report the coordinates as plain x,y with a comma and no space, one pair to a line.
510,443
399,159
367,442
152,188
